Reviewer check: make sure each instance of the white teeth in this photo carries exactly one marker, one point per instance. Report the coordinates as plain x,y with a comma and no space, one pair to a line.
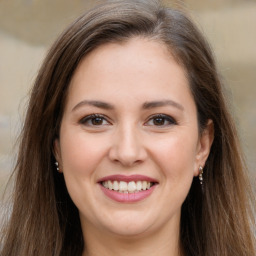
122,186
144,185
139,185
105,184
125,187
115,185
132,186
110,186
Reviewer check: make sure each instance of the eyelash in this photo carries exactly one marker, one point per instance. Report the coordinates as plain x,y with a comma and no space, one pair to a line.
85,120
88,120
169,119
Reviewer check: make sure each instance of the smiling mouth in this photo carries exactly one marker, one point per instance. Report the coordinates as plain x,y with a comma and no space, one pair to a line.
127,187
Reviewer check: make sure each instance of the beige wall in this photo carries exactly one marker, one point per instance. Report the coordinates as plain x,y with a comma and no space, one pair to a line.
28,27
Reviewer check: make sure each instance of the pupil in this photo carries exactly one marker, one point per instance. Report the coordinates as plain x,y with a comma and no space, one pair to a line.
159,121
97,121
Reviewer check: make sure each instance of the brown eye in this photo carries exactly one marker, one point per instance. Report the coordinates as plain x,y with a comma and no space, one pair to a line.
97,121
161,120
94,120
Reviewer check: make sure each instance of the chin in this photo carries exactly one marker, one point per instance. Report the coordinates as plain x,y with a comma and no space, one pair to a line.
129,224
129,232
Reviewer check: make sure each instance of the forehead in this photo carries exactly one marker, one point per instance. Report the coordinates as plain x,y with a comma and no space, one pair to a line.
139,67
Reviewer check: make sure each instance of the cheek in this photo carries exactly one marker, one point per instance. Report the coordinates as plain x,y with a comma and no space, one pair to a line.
176,155
80,153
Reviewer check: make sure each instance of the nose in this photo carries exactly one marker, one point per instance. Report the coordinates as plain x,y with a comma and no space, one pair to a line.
127,147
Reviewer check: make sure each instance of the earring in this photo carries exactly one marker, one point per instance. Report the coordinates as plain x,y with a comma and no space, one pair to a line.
57,166
201,171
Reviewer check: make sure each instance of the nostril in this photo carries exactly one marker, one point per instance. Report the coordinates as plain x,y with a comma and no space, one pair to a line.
127,156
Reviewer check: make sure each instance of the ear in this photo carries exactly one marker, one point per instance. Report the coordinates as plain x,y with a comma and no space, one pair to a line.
57,153
204,146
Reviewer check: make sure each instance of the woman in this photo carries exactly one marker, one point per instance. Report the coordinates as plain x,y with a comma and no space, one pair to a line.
128,147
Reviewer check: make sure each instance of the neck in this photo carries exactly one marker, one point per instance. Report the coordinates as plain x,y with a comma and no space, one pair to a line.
161,242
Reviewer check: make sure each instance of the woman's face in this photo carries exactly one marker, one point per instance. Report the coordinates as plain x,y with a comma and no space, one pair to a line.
129,144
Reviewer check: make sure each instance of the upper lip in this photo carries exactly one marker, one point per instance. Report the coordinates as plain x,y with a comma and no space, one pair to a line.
128,178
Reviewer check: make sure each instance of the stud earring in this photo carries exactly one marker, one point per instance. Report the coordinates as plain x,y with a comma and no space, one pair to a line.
57,166
201,171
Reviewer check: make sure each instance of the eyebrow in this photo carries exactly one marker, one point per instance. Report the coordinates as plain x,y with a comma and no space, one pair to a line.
162,103
95,103
146,105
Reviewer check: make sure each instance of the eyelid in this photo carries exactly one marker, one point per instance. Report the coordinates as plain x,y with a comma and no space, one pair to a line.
91,116
164,116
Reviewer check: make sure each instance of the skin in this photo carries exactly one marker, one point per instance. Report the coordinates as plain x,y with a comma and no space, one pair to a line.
128,139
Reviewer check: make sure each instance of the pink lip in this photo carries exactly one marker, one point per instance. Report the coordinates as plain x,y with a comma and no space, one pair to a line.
127,178
129,197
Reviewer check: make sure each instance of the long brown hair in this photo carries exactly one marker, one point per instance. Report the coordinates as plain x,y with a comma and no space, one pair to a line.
44,220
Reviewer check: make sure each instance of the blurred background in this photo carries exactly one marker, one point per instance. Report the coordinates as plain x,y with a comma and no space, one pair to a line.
29,27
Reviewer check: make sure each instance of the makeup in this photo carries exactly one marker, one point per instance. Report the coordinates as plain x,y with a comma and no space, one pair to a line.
127,189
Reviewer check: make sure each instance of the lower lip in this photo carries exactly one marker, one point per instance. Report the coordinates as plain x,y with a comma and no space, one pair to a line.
127,197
